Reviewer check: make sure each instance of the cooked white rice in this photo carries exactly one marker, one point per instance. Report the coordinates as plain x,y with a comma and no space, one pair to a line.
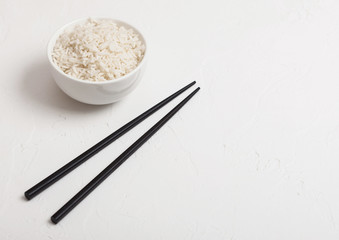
98,50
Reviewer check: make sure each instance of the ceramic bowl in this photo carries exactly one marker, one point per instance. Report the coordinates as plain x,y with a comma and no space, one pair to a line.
96,93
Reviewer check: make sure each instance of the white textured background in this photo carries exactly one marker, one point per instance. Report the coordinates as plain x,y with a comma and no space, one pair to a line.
255,155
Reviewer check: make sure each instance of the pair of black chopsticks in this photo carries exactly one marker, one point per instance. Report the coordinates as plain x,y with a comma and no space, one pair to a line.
54,177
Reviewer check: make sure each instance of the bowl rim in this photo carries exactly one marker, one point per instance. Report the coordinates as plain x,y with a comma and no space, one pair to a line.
58,32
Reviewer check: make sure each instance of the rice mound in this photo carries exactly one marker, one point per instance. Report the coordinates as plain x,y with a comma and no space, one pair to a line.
98,51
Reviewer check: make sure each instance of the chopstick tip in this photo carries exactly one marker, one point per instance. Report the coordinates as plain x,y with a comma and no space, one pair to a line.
27,196
53,220
191,84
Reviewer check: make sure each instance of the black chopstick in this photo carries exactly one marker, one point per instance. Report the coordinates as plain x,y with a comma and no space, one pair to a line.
83,193
57,175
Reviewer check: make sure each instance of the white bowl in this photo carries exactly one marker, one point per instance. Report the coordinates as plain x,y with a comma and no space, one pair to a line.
96,93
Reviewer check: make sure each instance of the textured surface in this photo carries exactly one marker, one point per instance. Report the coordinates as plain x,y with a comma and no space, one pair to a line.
253,156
